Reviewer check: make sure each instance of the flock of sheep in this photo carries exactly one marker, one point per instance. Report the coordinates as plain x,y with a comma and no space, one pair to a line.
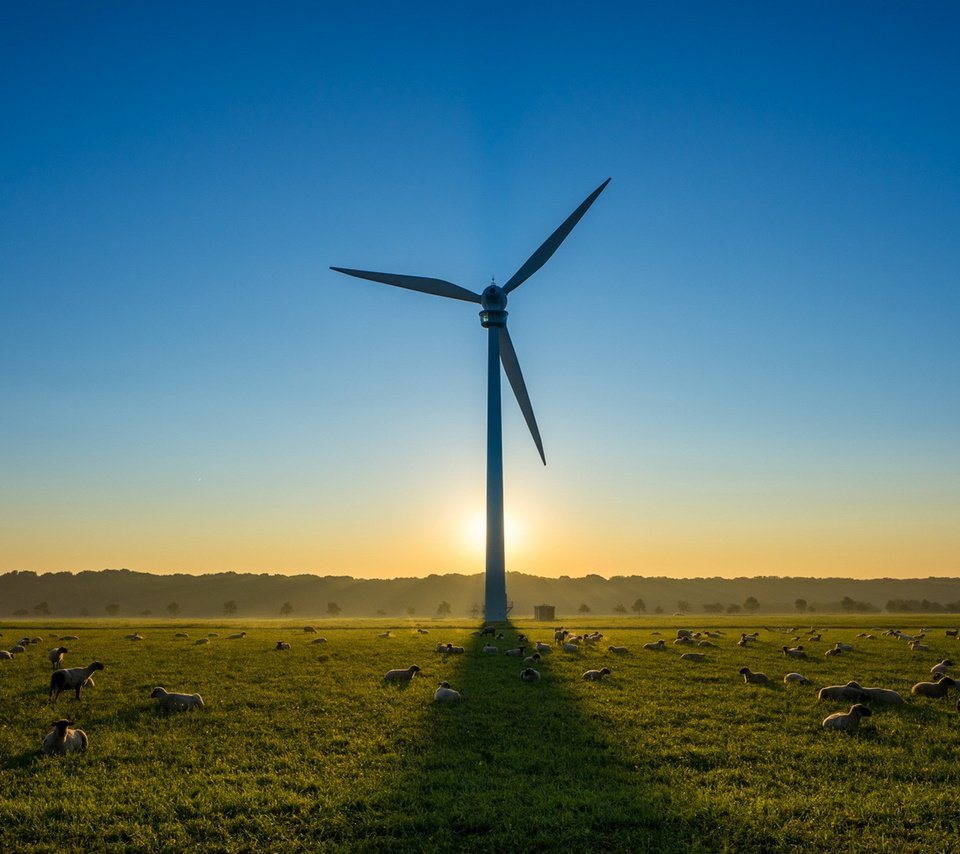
65,738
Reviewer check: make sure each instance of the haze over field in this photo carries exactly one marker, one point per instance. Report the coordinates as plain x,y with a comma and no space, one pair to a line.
743,361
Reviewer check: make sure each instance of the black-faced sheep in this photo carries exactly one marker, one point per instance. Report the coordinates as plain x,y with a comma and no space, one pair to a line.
847,721
796,678
282,646
446,694
74,677
934,690
56,656
529,675
63,740
752,678
176,702
596,675
656,646
851,692
401,675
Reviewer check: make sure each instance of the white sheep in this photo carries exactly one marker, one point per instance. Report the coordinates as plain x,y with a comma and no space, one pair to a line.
852,691
883,695
136,636
755,678
17,648
844,647
529,675
446,694
310,630
596,675
656,646
282,646
68,638
237,636
532,659
490,648
706,643
935,690
693,656
385,634
796,678
516,653
916,646
63,740
847,721
319,640
4,655
571,647
201,641
942,667
176,702
56,656
74,678
401,675
794,652
181,635
618,650
543,648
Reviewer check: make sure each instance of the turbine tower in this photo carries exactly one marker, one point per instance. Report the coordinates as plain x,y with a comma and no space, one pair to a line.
493,318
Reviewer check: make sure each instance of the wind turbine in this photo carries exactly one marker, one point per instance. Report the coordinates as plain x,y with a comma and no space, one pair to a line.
493,318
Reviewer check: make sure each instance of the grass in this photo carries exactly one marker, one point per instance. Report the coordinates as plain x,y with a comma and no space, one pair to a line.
310,750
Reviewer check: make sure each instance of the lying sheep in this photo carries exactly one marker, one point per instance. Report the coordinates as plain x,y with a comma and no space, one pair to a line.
852,691
516,653
705,644
934,690
446,694
490,649
181,635
136,636
532,659
796,678
4,655
942,667
618,650
543,648
693,656
237,636
56,656
596,675
571,647
833,651
847,721
176,702
753,678
401,675
684,641
385,634
882,695
68,638
310,630
74,678
282,646
63,740
201,641
916,646
17,648
794,652
656,646
529,675
319,640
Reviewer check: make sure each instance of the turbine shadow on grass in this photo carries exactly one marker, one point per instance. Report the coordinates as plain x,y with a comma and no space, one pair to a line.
522,767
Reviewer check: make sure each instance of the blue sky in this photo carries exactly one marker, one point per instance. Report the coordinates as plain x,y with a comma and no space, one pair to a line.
743,360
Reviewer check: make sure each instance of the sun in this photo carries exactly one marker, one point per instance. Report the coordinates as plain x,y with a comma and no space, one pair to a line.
475,533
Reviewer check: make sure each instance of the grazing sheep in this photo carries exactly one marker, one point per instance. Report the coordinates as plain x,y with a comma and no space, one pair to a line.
532,659
656,646
319,640
201,641
401,675
529,675
597,675
487,630
618,650
181,635
693,656
796,678
753,678
68,638
56,656
63,740
935,690
74,678
794,652
4,655
237,636
942,667
17,648
571,647
847,721
852,691
446,694
882,695
559,635
490,648
282,646
516,653
176,702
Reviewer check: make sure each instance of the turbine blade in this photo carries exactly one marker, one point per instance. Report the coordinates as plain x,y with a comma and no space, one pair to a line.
549,246
512,368
438,287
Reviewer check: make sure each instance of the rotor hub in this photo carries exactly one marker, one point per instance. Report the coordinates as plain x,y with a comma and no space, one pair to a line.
493,298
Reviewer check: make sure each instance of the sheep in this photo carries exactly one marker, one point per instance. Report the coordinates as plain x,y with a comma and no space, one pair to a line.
529,675
571,647
490,649
883,695
446,694
916,646
56,656
795,652
833,651
237,636
847,721
385,634
543,648
17,648
136,636
618,650
63,740
755,678
693,656
488,630
935,690
843,647
176,702
684,633
213,634
181,635
201,641
950,633
532,659
656,646
596,675
401,675
310,630
4,655
559,635
73,677
592,638
942,667
423,631
684,641
796,678
454,650
282,646
851,692
68,638
706,644
516,653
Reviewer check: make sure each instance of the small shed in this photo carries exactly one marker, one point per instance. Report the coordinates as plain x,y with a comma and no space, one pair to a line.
544,612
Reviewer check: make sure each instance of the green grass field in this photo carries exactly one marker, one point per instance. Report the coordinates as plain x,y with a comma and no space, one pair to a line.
309,750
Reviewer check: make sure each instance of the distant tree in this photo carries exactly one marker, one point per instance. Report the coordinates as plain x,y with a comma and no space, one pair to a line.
847,604
733,608
658,610
173,609
639,607
801,605
229,608
683,605
584,608
444,609
146,612
113,609
21,612
333,609
286,609
620,609
475,610
751,604
41,609
713,608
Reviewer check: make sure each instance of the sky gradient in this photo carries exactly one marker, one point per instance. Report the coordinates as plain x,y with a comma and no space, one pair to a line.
744,360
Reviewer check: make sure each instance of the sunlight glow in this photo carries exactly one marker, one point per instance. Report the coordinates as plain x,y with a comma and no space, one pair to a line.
475,533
